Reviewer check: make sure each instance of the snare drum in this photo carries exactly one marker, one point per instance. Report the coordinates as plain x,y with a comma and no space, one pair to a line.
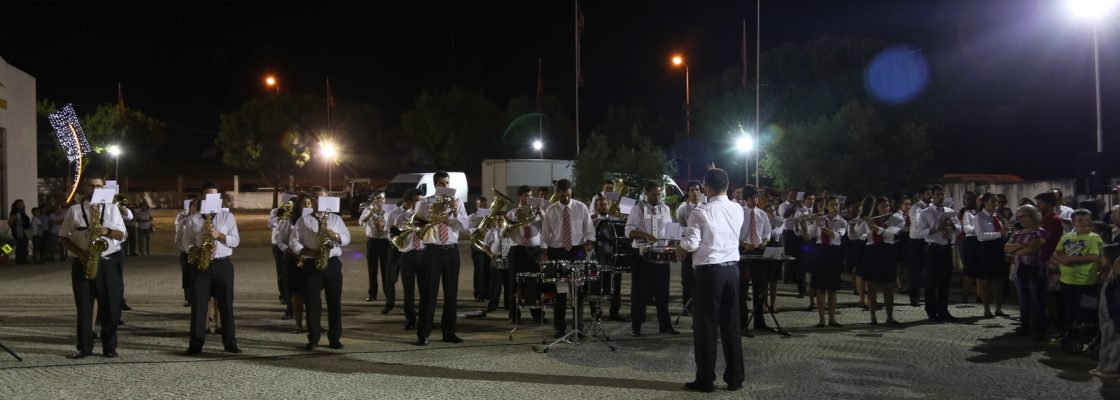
500,262
587,269
555,271
660,254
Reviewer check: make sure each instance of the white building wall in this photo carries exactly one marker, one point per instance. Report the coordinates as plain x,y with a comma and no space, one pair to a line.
17,117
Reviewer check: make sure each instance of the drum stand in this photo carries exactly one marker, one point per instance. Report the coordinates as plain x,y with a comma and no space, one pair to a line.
574,284
685,310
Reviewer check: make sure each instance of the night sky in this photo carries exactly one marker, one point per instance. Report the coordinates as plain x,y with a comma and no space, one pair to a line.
1020,69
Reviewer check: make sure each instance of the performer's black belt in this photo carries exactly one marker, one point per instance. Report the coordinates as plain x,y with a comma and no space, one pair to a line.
226,258
108,257
931,244
724,264
442,246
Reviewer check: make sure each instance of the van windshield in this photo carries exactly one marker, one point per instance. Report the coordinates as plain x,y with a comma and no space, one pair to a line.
396,189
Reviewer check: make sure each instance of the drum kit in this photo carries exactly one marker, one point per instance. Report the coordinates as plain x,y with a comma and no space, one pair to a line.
562,276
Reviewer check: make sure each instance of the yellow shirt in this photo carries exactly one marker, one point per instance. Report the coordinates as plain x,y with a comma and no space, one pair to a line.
1075,244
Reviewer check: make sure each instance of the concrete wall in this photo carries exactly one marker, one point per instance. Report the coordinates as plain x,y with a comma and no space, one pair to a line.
17,117
1014,191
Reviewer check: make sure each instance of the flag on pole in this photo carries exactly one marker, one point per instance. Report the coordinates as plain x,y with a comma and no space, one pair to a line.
579,34
540,87
120,99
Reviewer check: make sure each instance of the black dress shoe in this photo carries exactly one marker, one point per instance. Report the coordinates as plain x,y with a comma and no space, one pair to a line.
670,331
635,333
335,345
422,342
80,355
111,354
234,350
310,346
369,299
186,304
193,350
125,307
408,326
386,310
699,387
618,318
734,386
452,339
286,317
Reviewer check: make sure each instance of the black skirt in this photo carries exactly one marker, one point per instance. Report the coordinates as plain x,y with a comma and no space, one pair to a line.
826,273
879,265
992,264
970,257
902,247
854,258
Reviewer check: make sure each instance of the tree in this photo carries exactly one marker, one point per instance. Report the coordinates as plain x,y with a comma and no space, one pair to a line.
854,151
138,134
456,129
272,134
621,147
524,125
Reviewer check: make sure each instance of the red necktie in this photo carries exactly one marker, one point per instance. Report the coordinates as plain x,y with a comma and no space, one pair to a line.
875,236
754,233
527,232
826,238
567,235
907,217
442,233
997,224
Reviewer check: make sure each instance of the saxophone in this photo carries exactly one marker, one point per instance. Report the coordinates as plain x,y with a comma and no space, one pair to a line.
325,243
97,243
207,247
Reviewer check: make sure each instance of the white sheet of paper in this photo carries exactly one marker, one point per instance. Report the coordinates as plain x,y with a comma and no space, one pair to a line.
626,204
329,204
110,184
672,231
186,205
388,207
215,196
612,196
774,252
445,191
703,199
482,212
226,209
211,206
801,195
102,196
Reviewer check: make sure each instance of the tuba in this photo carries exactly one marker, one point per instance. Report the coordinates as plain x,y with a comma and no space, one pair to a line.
439,211
623,190
325,243
97,244
478,238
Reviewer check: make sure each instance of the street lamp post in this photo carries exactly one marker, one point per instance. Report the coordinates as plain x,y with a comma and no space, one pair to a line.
678,61
538,145
329,151
1094,11
744,144
115,151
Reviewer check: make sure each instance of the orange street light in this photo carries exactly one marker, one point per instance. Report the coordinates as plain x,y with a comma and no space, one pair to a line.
271,82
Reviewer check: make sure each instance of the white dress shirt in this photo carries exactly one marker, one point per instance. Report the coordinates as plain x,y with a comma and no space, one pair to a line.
371,225
649,219
519,238
76,228
777,226
889,230
837,225
683,212
1066,215
968,223
454,224
762,228
306,233
499,244
180,220
713,229
915,213
931,218
473,222
223,222
782,208
985,227
274,219
552,230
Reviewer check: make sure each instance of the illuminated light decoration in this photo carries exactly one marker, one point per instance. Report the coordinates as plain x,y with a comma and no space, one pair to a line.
897,75
68,131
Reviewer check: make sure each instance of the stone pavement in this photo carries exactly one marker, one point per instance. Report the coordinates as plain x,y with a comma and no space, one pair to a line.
976,359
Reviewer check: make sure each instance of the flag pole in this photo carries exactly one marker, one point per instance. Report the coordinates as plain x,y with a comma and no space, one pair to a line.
757,87
577,32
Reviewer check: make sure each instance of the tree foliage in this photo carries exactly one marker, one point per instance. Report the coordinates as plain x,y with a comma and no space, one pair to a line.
273,135
455,129
621,147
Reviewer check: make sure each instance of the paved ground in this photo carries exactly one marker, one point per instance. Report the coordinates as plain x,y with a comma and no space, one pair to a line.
975,359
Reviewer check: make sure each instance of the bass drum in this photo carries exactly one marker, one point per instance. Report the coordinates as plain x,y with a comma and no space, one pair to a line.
612,248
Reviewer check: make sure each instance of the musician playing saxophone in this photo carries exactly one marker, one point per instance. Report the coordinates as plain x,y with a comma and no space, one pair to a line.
105,284
305,241
210,236
439,262
646,225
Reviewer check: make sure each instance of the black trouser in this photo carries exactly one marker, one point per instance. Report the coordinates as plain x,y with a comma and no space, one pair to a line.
40,254
939,273
917,249
438,263
524,260
560,313
716,307
131,239
281,277
104,287
120,276
481,263
793,244
649,279
330,282
616,293
21,250
216,281
687,281
185,269
377,257
501,281
408,263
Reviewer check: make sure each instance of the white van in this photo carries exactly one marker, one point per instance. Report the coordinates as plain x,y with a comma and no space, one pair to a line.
426,183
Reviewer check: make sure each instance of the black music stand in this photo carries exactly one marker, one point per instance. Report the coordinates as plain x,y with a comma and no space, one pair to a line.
777,328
